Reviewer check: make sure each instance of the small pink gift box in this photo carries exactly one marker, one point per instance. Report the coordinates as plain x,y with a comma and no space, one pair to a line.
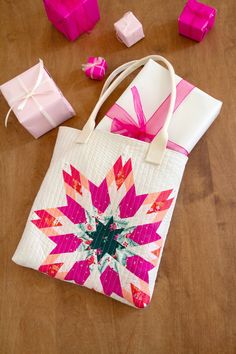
72,17
36,100
95,68
128,29
196,20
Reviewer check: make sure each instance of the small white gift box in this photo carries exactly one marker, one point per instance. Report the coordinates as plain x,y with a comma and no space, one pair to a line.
141,110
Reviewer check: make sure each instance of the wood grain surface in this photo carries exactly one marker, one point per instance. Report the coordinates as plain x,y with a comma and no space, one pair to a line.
193,307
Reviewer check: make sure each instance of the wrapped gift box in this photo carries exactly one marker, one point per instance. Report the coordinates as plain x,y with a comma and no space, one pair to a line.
128,29
95,68
196,20
36,100
141,110
72,17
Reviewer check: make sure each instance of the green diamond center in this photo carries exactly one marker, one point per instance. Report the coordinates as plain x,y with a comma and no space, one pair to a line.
104,238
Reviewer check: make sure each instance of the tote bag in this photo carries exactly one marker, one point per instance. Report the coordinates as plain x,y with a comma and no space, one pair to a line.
102,213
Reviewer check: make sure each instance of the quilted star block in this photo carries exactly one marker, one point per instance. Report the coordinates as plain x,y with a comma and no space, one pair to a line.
106,236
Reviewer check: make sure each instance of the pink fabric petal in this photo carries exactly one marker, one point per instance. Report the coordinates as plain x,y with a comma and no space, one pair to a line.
162,202
144,234
50,269
140,298
65,243
46,220
111,282
131,203
73,180
121,172
138,266
100,195
73,211
79,272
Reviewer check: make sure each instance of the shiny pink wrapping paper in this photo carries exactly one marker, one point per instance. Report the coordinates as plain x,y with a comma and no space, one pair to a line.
196,20
72,17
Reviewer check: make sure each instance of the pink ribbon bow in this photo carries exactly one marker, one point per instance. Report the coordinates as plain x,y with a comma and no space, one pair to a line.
143,129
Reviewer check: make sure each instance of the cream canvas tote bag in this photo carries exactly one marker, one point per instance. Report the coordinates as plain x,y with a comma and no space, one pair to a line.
102,214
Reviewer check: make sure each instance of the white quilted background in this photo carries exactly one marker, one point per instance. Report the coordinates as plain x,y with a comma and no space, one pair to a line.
94,159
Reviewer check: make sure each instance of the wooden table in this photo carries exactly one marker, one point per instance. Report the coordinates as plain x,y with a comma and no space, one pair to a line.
193,308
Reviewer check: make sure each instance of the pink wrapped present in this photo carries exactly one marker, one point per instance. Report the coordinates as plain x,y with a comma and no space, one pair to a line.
128,29
36,100
196,20
73,17
95,68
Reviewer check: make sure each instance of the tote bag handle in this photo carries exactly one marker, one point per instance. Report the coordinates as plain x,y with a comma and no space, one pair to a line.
115,73
157,147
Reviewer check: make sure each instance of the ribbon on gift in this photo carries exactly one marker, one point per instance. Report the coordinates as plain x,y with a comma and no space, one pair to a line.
90,66
143,129
30,94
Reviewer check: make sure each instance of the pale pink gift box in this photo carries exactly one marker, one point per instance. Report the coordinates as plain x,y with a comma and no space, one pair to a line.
196,20
128,29
36,100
